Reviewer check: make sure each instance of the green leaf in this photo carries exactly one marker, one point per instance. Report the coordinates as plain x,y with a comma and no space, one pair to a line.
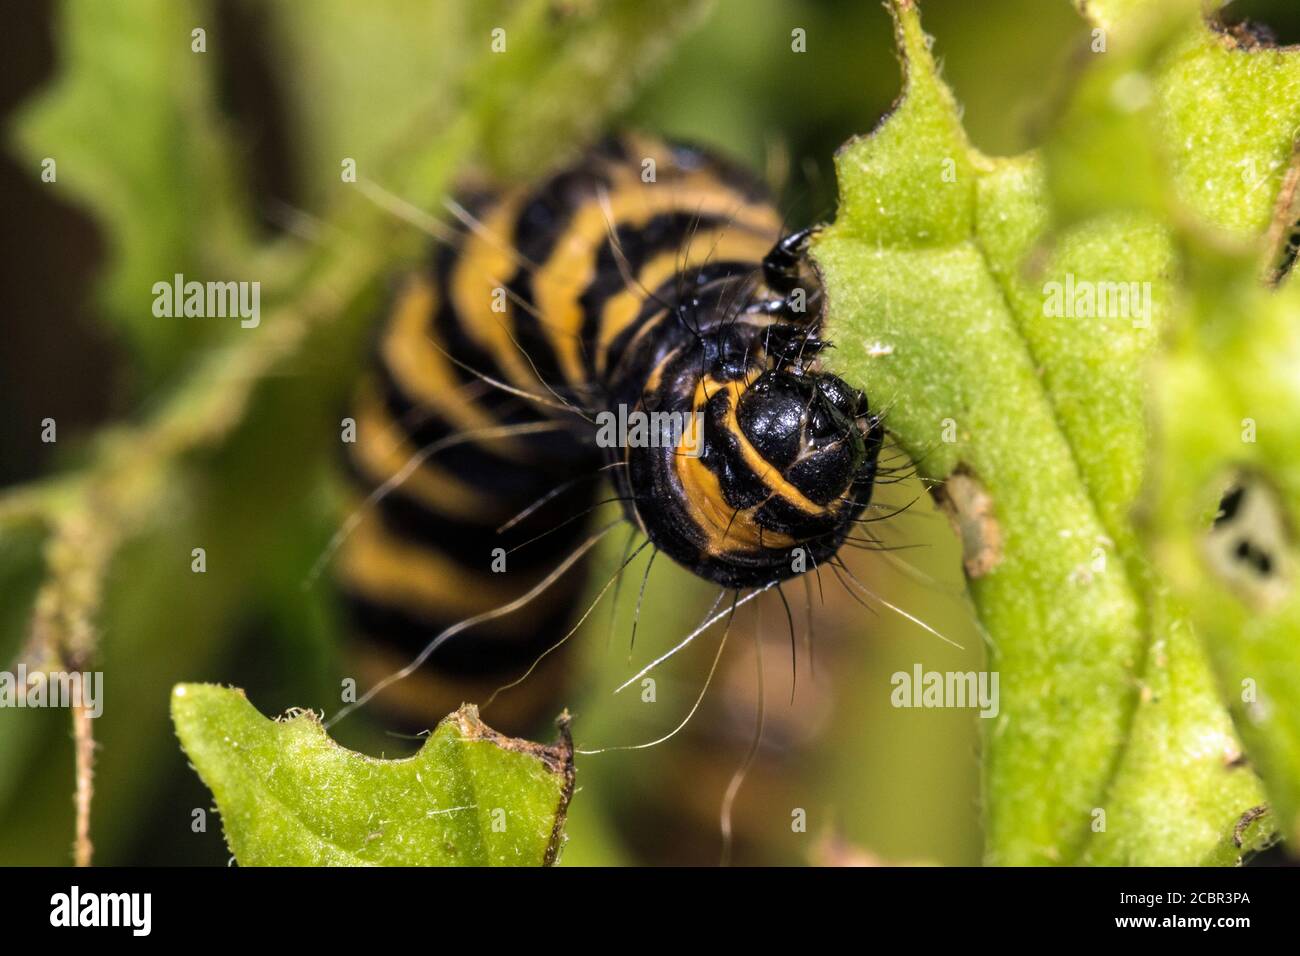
1179,117
1228,116
426,48
938,269
1228,395
590,54
1217,138
290,796
133,128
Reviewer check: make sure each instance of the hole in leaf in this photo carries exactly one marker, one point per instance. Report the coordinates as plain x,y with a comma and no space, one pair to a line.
1249,546
1265,22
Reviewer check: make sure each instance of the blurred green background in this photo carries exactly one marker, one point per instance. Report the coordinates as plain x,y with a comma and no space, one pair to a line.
290,84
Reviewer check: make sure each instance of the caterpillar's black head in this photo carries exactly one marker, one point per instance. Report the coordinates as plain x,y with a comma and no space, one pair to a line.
805,428
779,466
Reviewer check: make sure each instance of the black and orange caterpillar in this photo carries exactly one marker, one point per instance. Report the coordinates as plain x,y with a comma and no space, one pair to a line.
648,277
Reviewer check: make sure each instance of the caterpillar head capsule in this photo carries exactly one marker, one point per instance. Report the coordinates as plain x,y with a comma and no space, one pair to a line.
805,426
769,480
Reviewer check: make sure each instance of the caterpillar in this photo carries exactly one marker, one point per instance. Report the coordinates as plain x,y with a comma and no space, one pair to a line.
649,279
